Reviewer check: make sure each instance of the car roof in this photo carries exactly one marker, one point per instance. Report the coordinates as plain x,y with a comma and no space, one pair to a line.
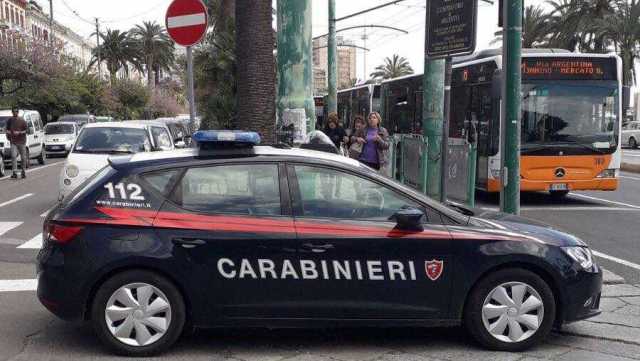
184,155
57,123
146,122
128,124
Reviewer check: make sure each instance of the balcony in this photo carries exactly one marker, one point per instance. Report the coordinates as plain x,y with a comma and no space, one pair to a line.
4,24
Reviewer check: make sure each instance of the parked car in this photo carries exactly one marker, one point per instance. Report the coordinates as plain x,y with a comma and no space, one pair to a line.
35,137
98,141
631,134
104,119
80,119
180,131
59,137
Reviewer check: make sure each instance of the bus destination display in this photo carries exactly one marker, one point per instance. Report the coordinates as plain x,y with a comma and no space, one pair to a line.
568,69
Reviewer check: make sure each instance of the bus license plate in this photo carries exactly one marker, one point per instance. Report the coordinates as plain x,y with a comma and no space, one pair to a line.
559,187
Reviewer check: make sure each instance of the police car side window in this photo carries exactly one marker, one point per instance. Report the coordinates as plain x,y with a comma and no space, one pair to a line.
247,189
160,180
327,193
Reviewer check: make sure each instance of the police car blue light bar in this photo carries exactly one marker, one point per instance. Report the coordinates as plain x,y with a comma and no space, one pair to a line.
226,137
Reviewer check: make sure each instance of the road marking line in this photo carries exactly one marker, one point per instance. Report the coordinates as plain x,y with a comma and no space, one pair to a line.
7,226
34,243
186,20
34,170
604,200
16,200
625,177
631,155
610,209
617,260
18,285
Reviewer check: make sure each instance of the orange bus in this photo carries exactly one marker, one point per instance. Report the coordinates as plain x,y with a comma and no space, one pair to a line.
571,118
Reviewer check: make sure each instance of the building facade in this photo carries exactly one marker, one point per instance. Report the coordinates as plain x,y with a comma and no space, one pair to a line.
13,22
346,64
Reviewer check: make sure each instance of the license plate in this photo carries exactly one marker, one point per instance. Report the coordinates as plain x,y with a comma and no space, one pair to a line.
559,187
56,147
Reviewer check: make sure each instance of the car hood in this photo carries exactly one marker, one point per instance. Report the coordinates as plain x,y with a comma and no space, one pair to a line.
88,163
522,228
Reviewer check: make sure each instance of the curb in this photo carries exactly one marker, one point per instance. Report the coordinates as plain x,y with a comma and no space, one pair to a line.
610,278
630,167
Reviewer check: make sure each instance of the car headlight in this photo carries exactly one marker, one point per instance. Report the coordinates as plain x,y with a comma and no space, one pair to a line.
608,173
72,171
582,256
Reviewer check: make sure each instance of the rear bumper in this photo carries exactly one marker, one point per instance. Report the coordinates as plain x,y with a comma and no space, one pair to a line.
597,184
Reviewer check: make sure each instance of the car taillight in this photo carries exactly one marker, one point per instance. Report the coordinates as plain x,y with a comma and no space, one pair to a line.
61,234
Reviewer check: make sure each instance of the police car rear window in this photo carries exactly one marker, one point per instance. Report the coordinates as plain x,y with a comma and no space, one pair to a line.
231,189
160,180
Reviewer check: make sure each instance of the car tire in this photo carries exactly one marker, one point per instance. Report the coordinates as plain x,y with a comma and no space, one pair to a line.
558,195
483,312
42,159
633,144
160,291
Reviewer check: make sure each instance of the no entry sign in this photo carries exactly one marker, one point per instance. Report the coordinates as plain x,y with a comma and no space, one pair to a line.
187,21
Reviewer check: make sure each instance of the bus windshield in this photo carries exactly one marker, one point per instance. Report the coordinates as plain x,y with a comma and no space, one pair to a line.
570,113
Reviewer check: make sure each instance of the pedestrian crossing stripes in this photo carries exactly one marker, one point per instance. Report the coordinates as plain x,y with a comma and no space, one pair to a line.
8,226
34,243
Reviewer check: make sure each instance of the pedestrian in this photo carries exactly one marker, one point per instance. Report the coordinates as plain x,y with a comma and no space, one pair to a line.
335,132
17,135
355,147
375,143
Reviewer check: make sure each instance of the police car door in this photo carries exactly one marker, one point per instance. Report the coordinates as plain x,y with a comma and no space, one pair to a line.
231,227
355,263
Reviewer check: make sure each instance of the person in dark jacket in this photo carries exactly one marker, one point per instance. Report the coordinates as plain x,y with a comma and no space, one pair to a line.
335,132
16,131
375,143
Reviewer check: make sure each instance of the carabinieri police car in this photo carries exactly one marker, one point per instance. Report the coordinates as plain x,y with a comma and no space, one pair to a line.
234,234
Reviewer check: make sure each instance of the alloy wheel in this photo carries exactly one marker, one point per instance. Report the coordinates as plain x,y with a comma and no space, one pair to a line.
513,312
138,314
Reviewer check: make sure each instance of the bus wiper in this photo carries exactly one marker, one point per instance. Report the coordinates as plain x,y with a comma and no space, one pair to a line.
588,146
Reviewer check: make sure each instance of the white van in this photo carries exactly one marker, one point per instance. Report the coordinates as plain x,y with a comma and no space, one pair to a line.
35,138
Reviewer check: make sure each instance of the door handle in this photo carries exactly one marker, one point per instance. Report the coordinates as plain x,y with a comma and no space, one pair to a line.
188,243
317,248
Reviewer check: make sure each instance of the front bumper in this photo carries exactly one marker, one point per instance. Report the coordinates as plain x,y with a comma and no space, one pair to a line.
582,294
57,148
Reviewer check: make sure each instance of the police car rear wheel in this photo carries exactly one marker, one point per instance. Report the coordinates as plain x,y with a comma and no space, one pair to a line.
138,313
510,310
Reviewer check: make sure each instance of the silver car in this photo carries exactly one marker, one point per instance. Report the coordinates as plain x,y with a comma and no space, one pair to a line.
631,134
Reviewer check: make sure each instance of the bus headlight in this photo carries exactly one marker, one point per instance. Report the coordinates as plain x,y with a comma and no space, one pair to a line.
608,173
582,256
72,171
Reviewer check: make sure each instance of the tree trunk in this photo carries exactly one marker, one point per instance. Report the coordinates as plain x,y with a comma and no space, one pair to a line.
256,91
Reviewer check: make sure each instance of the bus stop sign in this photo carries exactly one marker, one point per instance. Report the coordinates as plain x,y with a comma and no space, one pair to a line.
187,21
451,27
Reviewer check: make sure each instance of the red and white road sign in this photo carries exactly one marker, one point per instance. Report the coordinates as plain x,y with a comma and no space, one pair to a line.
187,21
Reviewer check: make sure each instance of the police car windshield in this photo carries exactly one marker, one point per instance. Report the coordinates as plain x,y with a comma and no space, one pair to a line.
51,129
113,141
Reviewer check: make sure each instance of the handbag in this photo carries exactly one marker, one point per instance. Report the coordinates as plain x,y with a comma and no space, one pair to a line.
355,150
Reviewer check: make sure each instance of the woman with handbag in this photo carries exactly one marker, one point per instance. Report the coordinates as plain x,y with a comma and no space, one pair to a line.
355,147
375,143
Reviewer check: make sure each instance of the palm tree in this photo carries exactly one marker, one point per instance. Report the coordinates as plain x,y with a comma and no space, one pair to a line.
156,48
623,29
536,28
256,76
394,67
119,51
572,22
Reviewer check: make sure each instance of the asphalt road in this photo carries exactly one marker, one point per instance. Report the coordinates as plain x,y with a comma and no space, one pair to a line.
631,156
608,221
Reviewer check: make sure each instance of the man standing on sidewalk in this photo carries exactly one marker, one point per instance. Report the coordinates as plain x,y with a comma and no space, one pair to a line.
17,136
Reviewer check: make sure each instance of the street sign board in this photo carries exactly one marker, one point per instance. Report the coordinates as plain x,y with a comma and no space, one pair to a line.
187,21
451,27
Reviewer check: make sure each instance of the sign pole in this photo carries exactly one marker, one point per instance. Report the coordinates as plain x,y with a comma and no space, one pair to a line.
191,92
512,60
448,75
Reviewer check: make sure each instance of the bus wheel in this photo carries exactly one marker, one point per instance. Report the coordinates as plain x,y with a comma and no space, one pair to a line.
558,195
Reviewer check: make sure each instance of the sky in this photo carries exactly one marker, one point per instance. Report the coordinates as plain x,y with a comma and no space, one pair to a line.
409,15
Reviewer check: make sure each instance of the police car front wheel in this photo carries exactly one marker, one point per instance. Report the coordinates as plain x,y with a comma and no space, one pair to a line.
138,313
510,310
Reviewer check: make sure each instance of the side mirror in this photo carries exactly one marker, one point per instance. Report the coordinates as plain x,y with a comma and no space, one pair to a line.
181,144
409,219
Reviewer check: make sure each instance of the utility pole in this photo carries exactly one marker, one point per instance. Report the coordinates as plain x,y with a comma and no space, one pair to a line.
512,60
332,61
433,124
98,49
